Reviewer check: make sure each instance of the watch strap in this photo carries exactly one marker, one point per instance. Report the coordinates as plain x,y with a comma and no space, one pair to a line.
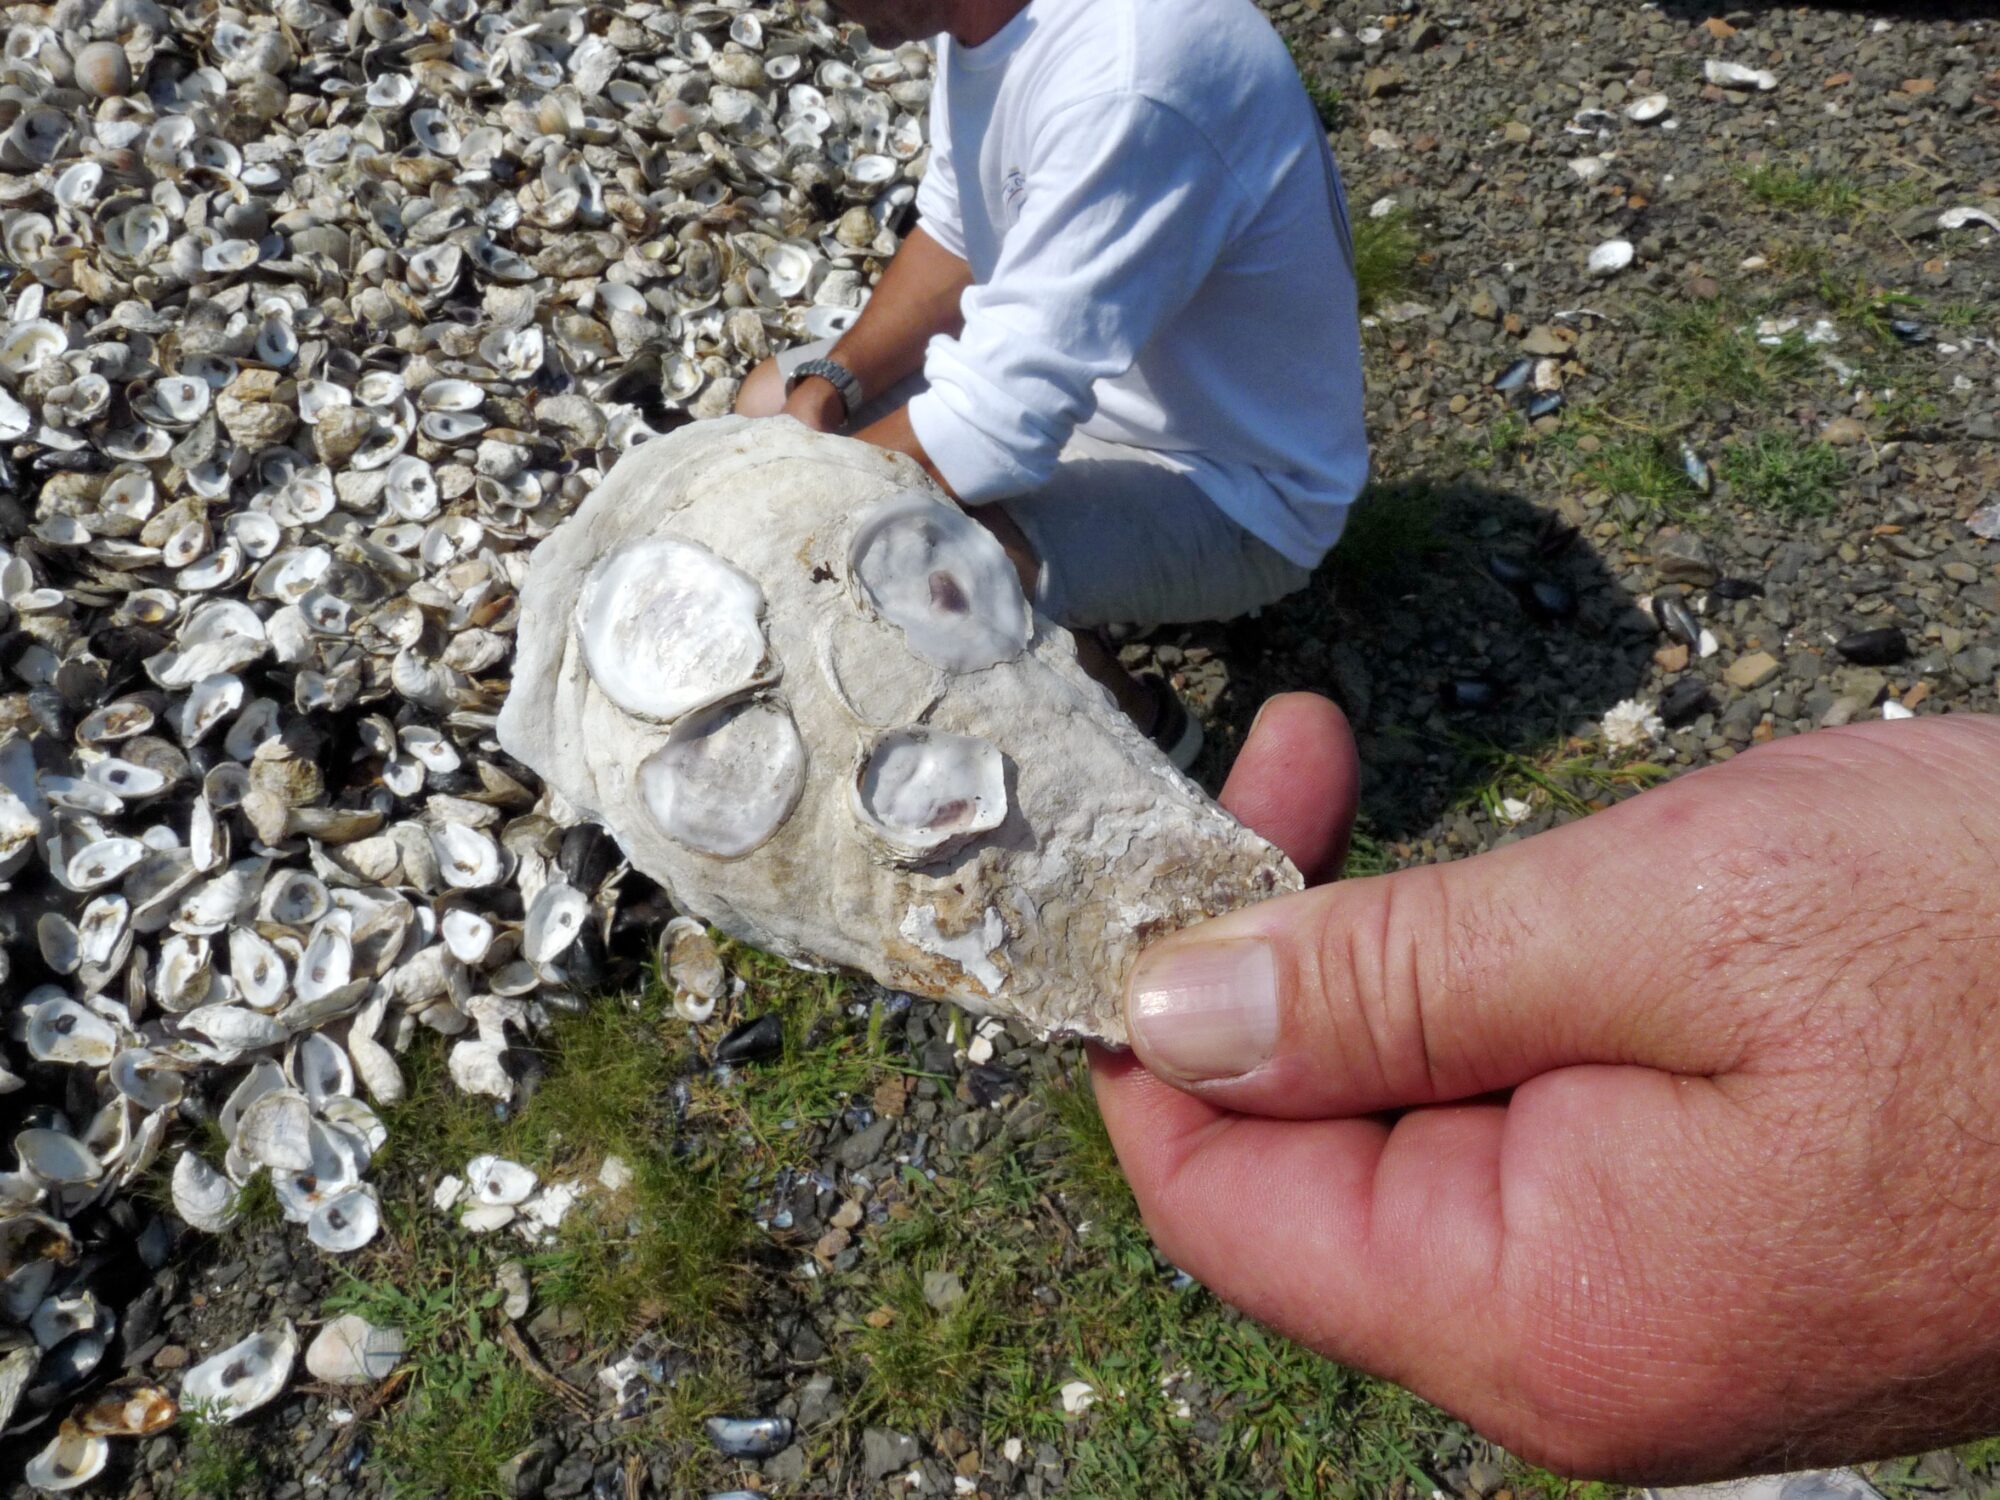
838,376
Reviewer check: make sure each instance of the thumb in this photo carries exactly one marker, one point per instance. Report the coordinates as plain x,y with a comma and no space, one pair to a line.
1444,982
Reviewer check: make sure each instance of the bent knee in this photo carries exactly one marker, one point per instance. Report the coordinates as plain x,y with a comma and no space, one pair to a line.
763,392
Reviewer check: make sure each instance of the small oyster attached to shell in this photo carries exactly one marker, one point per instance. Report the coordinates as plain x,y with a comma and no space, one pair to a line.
807,694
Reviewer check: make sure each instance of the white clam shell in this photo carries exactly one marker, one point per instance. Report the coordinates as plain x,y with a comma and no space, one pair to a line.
1731,75
150,1079
466,858
346,1221
466,933
350,1350
1611,257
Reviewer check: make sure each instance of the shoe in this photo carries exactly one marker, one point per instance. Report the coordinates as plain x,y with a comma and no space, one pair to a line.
1176,731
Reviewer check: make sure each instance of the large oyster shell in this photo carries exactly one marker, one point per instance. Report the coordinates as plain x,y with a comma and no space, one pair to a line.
754,812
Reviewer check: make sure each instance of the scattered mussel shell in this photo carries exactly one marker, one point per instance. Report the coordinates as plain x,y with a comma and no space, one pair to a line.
1545,599
1736,588
1547,404
759,1040
1516,377
750,1437
1685,700
1697,471
1550,600
1884,646
1554,536
1471,694
1676,620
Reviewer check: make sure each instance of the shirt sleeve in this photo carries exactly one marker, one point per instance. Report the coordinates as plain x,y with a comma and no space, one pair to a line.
937,194
1127,208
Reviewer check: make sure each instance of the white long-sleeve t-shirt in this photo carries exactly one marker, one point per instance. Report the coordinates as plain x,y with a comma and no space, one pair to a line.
1159,248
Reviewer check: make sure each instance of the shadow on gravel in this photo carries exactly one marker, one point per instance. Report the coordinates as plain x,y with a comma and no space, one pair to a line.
1464,630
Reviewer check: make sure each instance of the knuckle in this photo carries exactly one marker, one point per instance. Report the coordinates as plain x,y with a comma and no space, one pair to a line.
1398,973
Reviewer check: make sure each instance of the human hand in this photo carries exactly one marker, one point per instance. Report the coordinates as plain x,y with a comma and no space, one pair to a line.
1665,1145
818,404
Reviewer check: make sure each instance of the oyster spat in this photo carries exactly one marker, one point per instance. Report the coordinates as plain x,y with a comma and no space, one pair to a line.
830,724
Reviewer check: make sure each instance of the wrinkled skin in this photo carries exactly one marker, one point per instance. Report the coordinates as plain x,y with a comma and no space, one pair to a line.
1664,1145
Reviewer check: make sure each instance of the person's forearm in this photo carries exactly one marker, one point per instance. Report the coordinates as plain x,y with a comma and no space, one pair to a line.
895,433
917,300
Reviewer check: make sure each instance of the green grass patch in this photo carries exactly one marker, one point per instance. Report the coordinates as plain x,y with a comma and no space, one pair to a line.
1385,258
925,1363
1366,856
1091,1174
1791,187
1647,470
1799,260
1063,1283
1804,190
1496,443
825,1063
1857,303
1574,783
673,1428
1781,473
1711,352
1903,407
667,1251
470,1406
218,1462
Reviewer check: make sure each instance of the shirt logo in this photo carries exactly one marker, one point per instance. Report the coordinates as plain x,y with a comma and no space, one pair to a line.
1013,193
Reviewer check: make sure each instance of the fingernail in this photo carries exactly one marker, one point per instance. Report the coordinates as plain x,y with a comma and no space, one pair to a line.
1203,1011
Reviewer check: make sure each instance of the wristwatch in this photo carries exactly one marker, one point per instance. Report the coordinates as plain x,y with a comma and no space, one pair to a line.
838,376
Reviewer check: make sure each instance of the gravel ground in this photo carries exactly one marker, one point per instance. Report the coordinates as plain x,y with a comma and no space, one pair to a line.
933,1246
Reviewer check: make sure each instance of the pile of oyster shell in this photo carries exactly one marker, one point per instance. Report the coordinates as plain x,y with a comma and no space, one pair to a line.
313,323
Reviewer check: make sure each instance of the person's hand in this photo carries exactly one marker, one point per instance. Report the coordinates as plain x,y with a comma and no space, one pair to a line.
817,403
1664,1145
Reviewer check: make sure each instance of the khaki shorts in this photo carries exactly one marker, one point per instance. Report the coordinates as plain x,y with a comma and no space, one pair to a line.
1123,535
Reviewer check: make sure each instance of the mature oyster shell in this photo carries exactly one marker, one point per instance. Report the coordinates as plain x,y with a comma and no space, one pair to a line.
242,1377
71,1459
912,778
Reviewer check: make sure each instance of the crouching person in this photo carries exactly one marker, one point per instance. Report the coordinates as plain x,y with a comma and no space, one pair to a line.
1124,332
